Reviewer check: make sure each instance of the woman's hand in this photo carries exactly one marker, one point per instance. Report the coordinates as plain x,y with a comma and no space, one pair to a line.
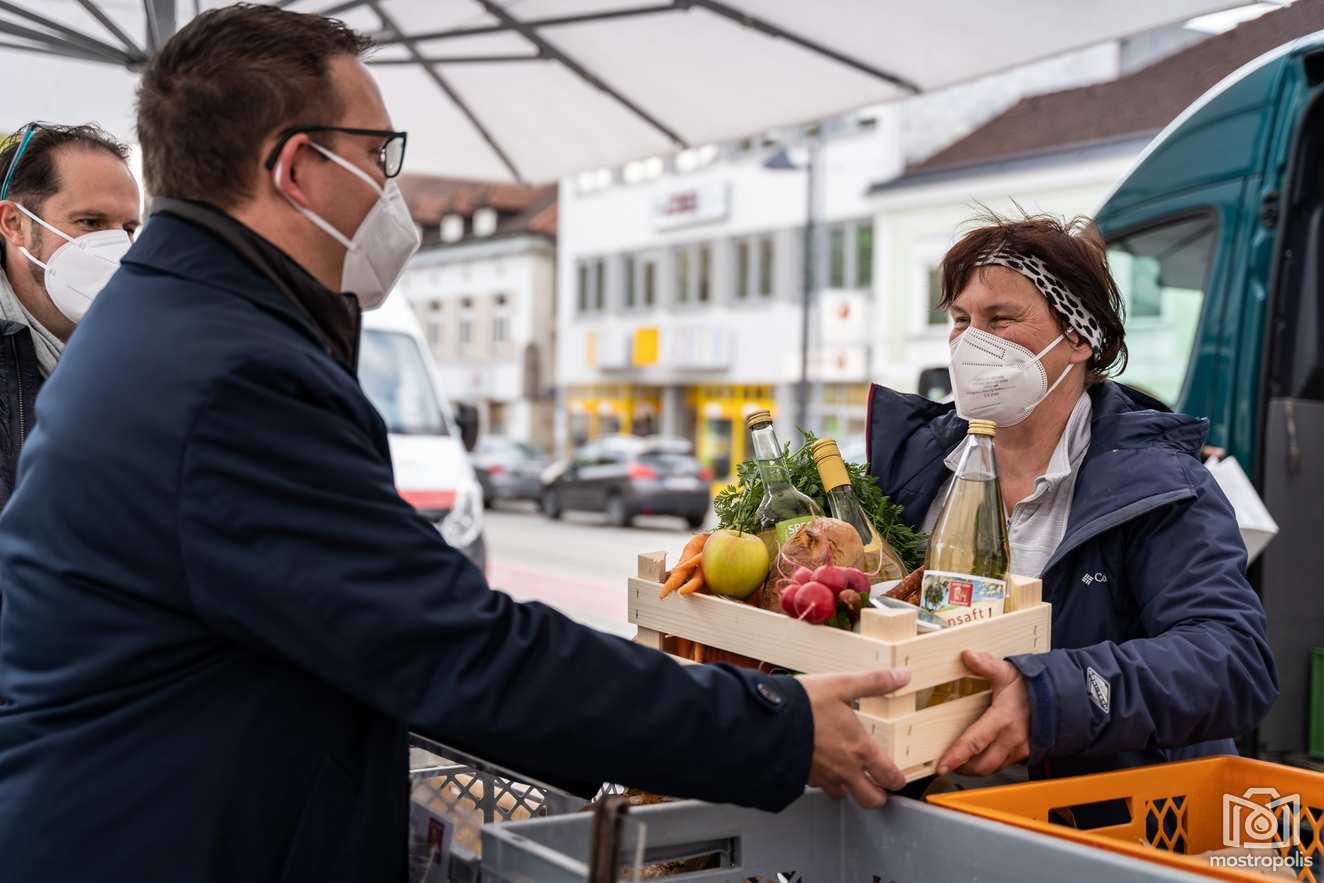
1001,736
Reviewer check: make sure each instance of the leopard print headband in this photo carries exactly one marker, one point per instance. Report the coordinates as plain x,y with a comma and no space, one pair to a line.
1065,304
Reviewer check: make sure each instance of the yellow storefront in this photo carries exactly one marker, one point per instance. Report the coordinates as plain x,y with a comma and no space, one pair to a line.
721,442
612,409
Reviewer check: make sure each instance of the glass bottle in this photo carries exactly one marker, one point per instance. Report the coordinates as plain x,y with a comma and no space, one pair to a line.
881,562
965,577
784,510
968,559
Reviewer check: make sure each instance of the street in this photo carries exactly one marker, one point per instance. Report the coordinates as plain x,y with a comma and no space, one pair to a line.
577,564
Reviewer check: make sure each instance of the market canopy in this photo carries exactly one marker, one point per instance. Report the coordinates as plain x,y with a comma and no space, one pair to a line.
539,89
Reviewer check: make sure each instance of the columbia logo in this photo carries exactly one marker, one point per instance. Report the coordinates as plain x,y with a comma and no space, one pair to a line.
1092,578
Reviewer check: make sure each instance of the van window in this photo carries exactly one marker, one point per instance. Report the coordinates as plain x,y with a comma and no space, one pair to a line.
1162,272
395,378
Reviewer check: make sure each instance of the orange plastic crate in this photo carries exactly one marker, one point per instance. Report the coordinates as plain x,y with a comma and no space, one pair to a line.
1178,809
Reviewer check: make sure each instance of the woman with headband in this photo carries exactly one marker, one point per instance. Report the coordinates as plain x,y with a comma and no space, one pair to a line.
1159,643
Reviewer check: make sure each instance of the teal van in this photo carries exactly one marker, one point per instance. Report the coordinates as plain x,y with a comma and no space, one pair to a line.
1217,239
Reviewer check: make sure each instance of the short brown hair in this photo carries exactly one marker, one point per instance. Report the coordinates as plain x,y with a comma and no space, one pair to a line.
229,80
1073,251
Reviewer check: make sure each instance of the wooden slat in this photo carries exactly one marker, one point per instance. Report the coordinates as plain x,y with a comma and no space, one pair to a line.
888,625
936,658
1022,592
653,567
754,632
649,638
916,742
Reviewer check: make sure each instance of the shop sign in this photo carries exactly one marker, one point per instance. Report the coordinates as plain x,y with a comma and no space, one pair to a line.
704,203
697,348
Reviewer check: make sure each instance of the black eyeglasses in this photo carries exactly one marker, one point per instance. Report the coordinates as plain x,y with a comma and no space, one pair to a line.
390,156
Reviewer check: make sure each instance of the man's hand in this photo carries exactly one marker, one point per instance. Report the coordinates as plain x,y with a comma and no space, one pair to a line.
1001,736
846,760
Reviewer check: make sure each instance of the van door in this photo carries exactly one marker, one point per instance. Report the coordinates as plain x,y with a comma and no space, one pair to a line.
1290,466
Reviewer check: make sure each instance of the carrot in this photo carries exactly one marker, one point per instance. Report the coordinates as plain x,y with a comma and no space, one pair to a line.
689,562
694,546
693,585
679,576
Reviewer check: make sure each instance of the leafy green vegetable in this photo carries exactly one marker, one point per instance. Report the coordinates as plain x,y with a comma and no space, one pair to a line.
737,504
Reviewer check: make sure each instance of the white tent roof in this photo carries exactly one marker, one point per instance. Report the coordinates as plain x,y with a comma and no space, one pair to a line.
539,89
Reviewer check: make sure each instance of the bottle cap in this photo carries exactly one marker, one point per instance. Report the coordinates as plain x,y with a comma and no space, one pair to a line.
983,427
758,418
825,449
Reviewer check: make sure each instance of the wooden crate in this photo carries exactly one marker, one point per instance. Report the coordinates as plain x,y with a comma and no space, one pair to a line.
914,738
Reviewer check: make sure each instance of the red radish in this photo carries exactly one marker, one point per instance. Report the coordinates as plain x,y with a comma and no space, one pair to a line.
788,599
815,603
802,575
857,579
832,576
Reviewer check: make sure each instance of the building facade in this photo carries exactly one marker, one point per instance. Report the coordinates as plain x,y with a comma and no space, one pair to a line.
484,289
683,280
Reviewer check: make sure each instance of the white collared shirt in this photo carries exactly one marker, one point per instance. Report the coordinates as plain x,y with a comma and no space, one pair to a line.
1038,522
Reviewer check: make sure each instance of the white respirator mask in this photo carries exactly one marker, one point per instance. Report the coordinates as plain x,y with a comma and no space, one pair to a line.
78,270
383,243
995,379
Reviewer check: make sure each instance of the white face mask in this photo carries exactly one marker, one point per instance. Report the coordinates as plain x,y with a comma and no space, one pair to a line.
383,243
79,269
995,379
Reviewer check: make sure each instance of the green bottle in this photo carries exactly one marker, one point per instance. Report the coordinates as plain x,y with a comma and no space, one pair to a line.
784,509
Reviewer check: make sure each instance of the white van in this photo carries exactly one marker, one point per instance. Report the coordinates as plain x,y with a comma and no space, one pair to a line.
432,469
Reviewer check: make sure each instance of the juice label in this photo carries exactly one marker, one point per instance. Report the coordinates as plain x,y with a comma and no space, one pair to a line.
958,598
790,527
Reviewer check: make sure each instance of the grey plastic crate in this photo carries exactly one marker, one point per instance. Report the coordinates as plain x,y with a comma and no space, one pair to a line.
470,793
816,840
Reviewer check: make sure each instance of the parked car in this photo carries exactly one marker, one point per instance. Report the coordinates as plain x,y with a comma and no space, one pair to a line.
625,477
509,469
432,469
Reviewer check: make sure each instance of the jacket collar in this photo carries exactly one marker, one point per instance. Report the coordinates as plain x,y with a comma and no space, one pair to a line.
1134,461
182,240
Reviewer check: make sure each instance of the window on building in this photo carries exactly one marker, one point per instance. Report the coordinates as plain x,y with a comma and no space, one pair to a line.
765,266
435,331
1162,272
682,275
705,264
742,269
937,316
582,295
629,282
836,258
650,283
466,333
864,255
500,329
599,285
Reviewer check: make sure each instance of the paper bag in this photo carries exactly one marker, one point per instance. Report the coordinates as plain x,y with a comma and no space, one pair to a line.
1257,525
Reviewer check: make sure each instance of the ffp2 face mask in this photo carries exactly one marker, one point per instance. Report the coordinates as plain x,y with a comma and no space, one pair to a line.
995,379
383,243
76,272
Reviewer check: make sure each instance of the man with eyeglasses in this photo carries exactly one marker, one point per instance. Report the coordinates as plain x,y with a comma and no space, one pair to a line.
68,208
224,619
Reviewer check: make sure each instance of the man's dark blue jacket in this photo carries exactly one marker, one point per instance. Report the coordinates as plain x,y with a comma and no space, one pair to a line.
1160,647
220,620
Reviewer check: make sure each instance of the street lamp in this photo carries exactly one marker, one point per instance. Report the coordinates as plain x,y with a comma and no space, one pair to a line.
782,161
